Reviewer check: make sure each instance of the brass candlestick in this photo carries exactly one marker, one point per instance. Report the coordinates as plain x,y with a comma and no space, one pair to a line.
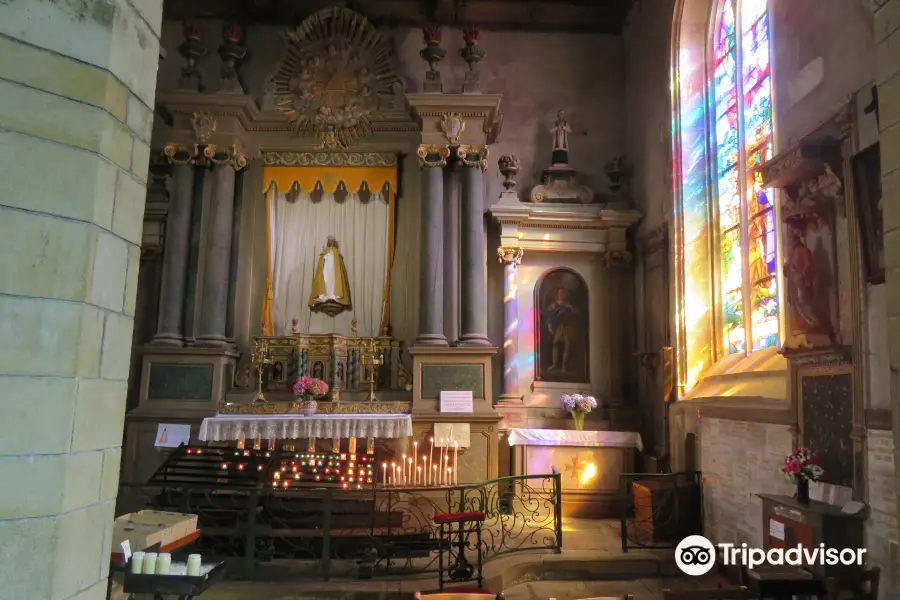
260,358
370,357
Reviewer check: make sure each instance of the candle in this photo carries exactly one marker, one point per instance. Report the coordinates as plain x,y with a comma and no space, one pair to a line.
455,463
384,474
193,565
412,473
431,460
163,564
441,461
424,470
403,470
415,460
449,473
419,475
149,563
394,473
434,475
447,468
137,563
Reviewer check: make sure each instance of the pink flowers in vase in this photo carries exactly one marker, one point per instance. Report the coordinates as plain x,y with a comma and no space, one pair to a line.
309,387
802,464
578,405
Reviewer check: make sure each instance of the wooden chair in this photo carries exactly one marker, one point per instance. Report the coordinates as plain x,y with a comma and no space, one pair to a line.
738,593
862,586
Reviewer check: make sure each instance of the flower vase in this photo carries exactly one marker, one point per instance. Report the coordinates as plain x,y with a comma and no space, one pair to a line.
578,417
308,406
802,490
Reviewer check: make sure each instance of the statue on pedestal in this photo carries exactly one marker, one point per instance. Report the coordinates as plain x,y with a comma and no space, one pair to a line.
561,133
558,181
331,288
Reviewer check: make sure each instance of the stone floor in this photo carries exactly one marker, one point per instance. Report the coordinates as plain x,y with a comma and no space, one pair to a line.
592,564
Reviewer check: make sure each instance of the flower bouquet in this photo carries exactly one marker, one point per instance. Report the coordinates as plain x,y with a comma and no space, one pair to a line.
578,405
306,390
801,467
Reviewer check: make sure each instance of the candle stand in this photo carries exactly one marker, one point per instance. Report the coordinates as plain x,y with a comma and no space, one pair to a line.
260,358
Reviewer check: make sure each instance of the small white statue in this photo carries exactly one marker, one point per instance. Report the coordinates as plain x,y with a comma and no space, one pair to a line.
561,133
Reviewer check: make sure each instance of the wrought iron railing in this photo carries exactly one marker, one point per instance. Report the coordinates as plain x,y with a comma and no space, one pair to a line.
327,533
659,510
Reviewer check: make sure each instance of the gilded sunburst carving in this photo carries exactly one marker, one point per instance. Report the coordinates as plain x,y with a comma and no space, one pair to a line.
334,77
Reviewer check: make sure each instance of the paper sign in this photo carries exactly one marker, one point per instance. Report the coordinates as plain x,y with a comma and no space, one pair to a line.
457,402
447,433
126,550
172,435
776,529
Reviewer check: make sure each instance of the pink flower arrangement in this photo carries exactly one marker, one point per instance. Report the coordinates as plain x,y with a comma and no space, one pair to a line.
802,464
309,386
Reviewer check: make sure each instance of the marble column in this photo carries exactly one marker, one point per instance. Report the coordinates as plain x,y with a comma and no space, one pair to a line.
451,252
473,268
169,331
432,159
510,257
217,259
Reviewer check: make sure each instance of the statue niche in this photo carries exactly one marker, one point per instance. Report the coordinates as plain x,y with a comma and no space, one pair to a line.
561,332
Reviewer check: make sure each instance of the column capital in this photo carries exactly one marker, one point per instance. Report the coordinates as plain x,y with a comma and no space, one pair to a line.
433,155
473,156
201,155
510,255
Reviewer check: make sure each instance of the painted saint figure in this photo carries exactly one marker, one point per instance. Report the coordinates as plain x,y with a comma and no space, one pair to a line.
563,327
561,133
803,290
330,288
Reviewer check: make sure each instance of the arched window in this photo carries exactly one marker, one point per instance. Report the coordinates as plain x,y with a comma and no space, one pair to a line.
728,267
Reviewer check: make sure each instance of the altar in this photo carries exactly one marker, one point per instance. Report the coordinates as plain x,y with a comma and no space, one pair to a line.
590,463
311,427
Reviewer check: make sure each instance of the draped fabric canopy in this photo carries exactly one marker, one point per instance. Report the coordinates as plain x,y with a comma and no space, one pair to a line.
305,206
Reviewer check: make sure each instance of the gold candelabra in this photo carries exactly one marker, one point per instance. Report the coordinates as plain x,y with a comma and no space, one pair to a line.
370,357
260,358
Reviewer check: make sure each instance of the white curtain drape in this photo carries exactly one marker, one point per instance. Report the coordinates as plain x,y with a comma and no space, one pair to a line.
298,233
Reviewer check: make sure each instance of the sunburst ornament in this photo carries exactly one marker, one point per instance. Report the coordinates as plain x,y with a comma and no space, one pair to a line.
334,77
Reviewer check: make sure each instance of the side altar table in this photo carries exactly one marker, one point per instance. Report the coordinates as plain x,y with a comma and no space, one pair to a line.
590,463
222,428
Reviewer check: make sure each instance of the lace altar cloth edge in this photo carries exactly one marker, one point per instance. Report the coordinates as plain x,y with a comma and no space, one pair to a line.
572,437
223,428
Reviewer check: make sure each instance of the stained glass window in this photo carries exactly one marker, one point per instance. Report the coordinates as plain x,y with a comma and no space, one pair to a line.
741,107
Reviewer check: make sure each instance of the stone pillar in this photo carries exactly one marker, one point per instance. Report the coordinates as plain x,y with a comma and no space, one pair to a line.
451,252
70,237
511,257
432,159
217,266
169,330
473,284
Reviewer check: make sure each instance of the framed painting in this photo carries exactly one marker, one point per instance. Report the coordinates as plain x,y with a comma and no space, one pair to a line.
561,331
867,196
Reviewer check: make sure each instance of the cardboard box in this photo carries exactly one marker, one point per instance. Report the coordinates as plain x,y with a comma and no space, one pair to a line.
144,529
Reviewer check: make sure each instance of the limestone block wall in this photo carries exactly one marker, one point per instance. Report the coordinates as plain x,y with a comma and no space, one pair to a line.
77,82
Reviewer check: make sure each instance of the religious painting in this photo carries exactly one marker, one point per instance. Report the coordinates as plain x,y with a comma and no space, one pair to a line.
867,192
561,311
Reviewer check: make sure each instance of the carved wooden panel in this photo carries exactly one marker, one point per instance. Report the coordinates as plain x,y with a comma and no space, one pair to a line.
826,403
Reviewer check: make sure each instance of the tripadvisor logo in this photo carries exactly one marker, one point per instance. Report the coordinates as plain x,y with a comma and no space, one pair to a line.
695,555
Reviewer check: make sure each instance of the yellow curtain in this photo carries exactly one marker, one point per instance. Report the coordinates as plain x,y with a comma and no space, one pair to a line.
306,178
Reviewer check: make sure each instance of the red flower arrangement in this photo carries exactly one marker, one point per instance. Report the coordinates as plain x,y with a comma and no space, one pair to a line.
309,387
802,464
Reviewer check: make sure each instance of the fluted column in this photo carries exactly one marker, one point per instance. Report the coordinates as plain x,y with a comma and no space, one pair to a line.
473,267
451,252
432,159
511,257
169,330
217,262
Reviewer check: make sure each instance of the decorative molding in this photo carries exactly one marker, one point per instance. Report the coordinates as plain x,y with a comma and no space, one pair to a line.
464,152
330,159
180,154
453,126
433,155
510,255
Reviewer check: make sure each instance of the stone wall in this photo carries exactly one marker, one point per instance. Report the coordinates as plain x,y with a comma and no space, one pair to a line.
825,52
77,82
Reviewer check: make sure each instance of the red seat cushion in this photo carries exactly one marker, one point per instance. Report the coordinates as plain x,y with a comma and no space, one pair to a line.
459,517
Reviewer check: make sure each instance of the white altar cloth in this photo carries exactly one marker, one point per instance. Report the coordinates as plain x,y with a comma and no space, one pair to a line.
295,427
569,437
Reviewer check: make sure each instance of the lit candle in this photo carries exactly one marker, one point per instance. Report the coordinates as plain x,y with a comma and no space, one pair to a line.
384,474
419,475
394,473
441,461
449,475
412,473
415,461
424,470
434,475
447,468
403,470
455,463
431,460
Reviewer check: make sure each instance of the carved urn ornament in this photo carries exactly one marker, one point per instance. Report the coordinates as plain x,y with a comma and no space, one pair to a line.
192,50
615,170
509,167
472,53
334,77
232,52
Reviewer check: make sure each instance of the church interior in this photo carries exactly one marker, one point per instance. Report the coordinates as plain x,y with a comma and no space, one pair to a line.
417,295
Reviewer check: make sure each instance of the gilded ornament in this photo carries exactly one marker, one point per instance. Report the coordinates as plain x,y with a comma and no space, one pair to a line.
179,154
204,126
510,255
334,77
433,155
473,156
453,127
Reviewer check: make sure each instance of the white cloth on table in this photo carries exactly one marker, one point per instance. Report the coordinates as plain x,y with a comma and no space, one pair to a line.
569,437
294,427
